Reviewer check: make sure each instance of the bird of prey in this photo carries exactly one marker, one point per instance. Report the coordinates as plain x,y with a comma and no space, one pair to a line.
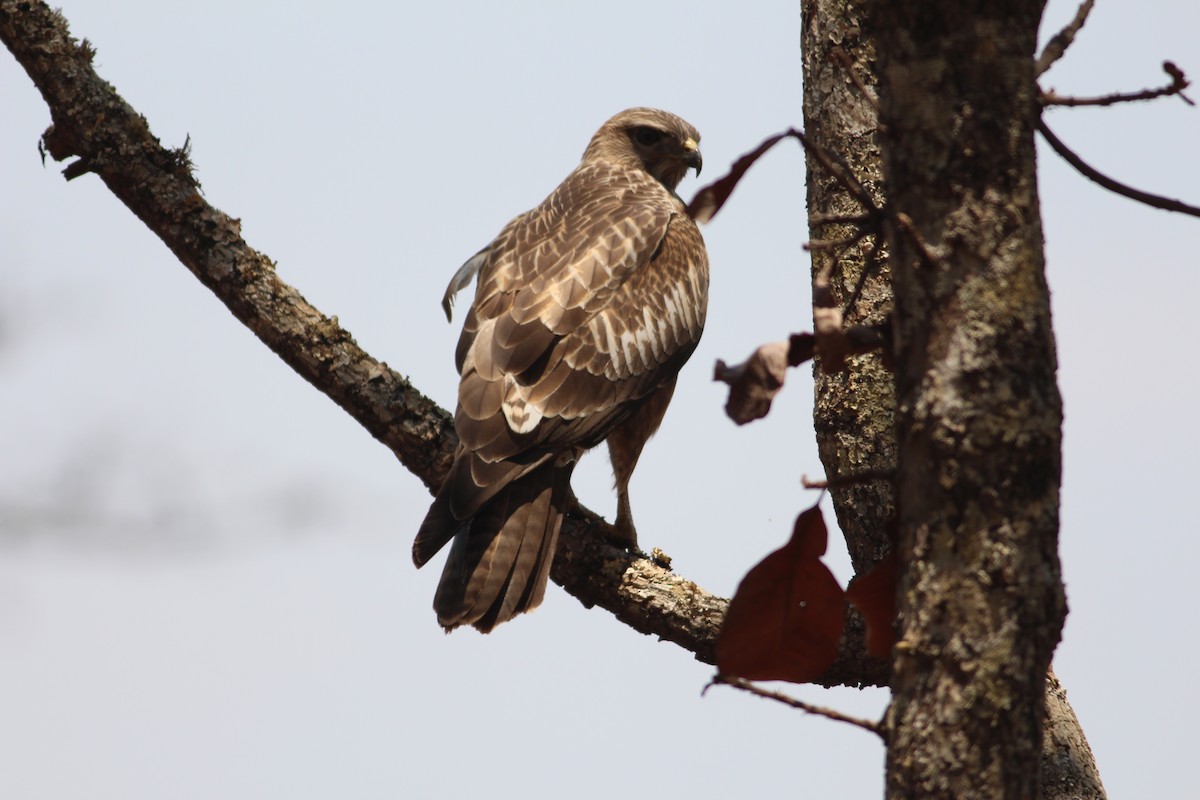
586,308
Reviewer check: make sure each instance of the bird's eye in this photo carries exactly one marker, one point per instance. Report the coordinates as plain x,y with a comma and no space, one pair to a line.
646,136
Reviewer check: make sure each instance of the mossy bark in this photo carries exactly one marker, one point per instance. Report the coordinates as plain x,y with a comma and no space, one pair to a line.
975,445
981,601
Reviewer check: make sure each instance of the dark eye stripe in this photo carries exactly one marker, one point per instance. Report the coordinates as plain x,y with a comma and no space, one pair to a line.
647,136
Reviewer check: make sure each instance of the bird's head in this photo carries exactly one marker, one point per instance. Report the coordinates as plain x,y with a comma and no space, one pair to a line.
657,141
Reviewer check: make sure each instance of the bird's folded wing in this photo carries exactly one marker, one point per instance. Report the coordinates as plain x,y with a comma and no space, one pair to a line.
585,305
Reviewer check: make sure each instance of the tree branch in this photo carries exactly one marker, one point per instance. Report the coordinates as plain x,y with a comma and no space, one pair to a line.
1059,42
109,138
1178,83
1093,174
779,697
1068,767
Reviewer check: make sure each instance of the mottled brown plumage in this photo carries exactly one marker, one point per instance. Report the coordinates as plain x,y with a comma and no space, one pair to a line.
585,310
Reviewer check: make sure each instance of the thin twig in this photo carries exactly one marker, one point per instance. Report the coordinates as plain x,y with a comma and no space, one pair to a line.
835,244
841,481
746,686
1059,43
822,290
840,219
1090,172
1178,83
836,166
906,225
709,200
844,59
869,265
853,184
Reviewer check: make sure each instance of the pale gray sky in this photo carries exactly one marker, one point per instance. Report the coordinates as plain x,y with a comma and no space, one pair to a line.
205,586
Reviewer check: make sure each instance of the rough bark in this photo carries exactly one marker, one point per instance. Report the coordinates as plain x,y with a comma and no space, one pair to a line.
981,603
109,138
855,411
1068,768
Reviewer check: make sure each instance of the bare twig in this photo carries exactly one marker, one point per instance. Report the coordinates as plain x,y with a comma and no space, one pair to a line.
840,219
839,481
871,263
1178,83
837,244
905,223
1059,43
836,166
829,713
711,198
844,60
1090,172
822,288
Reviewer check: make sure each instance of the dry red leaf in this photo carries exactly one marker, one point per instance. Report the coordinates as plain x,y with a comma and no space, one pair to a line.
708,201
785,619
874,595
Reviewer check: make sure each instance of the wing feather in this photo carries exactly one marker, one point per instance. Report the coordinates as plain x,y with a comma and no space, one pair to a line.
584,307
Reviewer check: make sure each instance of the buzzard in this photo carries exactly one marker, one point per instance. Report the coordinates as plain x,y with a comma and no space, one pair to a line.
585,310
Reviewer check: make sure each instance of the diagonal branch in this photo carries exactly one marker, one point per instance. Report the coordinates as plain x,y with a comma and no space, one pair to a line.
110,139
1093,174
779,697
1059,42
91,121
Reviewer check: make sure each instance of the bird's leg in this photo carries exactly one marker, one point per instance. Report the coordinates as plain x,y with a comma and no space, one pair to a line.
624,533
625,445
575,509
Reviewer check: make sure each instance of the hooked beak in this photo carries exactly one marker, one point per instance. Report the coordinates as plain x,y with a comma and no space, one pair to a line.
691,154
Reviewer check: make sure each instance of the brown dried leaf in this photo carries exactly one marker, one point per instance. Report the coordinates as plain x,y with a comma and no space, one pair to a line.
785,619
831,339
754,382
801,347
874,595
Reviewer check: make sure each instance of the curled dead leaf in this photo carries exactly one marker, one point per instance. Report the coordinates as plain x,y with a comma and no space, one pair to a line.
754,383
832,344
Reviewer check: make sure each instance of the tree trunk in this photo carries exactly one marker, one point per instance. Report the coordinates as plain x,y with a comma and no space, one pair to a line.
855,410
981,603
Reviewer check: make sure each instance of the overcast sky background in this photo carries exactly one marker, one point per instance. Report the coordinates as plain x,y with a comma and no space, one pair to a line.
205,583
